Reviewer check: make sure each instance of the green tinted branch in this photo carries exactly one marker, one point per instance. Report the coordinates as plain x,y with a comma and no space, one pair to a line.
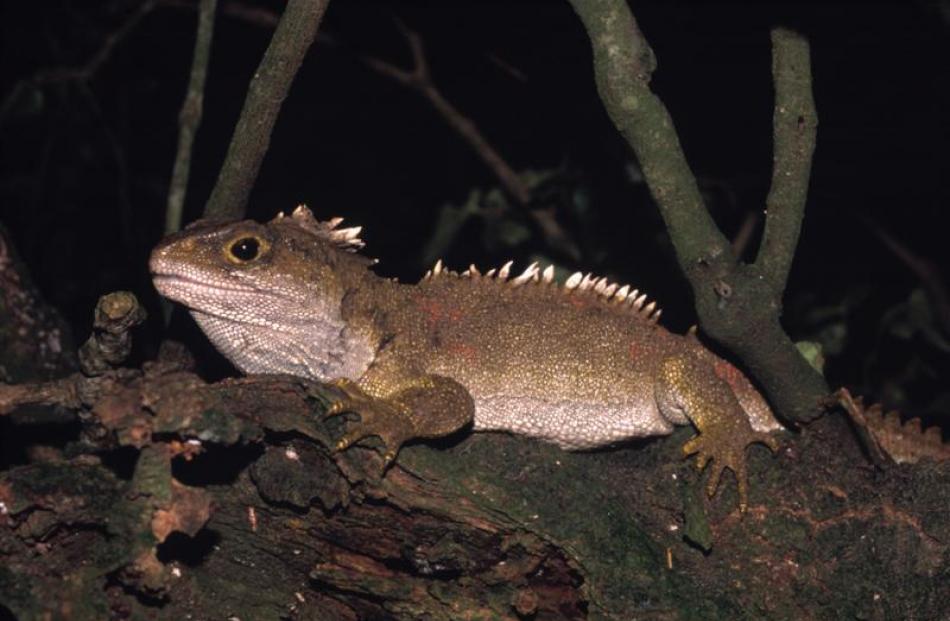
737,305
623,66
795,123
190,116
266,92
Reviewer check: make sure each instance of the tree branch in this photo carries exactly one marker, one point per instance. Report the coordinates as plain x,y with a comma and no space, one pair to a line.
737,306
268,88
420,80
178,494
795,125
111,340
235,501
190,116
624,64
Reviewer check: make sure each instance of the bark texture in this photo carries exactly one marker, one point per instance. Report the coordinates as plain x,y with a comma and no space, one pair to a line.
221,500
35,342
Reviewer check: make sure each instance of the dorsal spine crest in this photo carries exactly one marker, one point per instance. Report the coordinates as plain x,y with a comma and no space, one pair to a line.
347,239
577,283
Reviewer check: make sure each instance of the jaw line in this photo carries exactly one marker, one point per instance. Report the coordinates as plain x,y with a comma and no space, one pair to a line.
163,279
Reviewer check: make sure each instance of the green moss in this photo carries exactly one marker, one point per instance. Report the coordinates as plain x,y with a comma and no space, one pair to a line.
15,593
572,500
94,487
67,503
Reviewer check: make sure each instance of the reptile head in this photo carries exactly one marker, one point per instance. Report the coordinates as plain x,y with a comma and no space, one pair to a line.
267,295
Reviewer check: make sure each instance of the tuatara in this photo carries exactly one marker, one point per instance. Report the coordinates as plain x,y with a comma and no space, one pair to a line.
582,364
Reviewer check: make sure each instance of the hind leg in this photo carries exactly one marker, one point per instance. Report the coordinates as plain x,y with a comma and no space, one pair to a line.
689,386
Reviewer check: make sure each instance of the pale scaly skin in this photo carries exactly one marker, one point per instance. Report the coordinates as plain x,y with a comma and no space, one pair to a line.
582,364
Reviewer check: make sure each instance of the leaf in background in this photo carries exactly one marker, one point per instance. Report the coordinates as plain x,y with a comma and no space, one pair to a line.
449,222
811,351
23,102
915,317
503,234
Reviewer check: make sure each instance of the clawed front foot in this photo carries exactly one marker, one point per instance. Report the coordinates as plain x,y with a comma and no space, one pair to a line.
726,449
378,417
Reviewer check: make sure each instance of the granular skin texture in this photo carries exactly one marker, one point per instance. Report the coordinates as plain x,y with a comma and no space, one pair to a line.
582,364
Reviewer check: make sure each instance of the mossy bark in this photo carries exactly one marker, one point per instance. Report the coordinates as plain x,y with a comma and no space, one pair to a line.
219,500
35,342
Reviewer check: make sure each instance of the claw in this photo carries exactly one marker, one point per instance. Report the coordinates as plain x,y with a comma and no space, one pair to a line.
712,484
378,418
348,440
702,460
345,384
353,397
768,440
337,408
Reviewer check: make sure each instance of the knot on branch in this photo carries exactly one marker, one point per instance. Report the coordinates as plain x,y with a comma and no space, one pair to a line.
723,290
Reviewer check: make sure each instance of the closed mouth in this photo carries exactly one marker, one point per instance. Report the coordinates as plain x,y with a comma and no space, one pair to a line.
171,282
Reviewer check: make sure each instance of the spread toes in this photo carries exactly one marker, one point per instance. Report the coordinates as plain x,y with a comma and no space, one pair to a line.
377,419
727,452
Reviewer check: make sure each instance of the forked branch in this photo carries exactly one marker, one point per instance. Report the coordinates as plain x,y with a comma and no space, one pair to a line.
738,305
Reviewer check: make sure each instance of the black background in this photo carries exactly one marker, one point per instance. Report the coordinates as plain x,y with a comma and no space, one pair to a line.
84,166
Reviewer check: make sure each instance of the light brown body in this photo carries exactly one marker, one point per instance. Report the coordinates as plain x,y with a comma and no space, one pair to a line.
573,368
582,364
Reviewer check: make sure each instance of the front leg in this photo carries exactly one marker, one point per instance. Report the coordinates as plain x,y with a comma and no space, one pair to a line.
688,385
424,406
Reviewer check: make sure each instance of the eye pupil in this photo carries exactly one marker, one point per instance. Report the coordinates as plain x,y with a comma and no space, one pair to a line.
246,249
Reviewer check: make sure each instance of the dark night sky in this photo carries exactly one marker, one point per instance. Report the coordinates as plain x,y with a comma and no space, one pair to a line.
84,171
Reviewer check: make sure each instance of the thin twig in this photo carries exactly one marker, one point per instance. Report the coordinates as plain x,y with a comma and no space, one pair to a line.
260,16
926,271
82,73
419,79
271,82
744,235
190,116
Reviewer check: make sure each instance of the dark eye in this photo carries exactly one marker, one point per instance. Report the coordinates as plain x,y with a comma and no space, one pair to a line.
246,249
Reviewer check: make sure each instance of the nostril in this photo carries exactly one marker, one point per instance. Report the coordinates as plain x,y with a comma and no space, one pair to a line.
155,260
